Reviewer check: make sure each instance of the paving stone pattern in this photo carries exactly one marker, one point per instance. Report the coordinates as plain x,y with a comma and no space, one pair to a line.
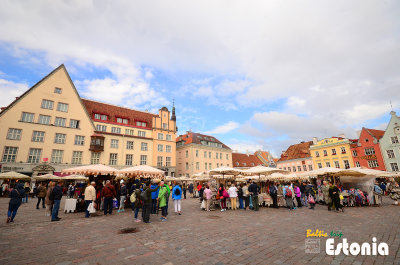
270,236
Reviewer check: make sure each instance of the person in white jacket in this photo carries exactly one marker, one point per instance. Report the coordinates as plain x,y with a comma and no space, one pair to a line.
90,196
232,191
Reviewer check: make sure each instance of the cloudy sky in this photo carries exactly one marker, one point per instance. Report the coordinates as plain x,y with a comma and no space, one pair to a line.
255,74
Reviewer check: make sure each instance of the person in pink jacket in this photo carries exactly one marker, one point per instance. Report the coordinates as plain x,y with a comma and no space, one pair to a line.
207,194
297,193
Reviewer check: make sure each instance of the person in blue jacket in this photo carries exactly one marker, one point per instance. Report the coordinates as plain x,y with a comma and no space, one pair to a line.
16,196
154,196
177,196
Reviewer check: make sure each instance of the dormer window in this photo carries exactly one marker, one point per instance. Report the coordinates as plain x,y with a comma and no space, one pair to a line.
140,124
122,120
104,117
57,90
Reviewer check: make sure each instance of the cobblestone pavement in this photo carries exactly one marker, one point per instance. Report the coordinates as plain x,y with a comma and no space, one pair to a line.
270,236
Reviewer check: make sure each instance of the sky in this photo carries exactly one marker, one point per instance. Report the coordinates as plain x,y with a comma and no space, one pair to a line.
257,75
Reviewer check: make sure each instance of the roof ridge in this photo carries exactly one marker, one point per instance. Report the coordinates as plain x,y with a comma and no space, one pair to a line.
96,101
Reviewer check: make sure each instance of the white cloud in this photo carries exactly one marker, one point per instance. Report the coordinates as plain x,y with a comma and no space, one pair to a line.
225,128
9,90
245,147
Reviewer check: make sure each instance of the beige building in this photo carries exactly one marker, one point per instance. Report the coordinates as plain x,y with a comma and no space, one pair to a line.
197,152
50,128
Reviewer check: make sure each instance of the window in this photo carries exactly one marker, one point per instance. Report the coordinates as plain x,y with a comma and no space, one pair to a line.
141,133
369,151
319,165
47,104
217,165
290,169
343,149
14,134
140,124
220,156
205,166
128,160
113,158
209,166
209,154
95,158
128,131
299,168
44,119
394,166
114,143
116,130
104,117
34,155
197,165
10,154
143,147
187,166
77,157
62,107
216,155
74,124
328,164
390,153
97,116
129,145
60,138
309,167
197,153
284,168
168,137
168,161
205,154
346,164
337,165
160,148
358,164
325,153
227,156
394,140
143,159
187,153
37,136
164,126
57,156
159,161
57,90
60,122
168,149
160,136
316,153
123,121
354,153
101,128
294,169
373,163
79,140
27,117
304,168
333,151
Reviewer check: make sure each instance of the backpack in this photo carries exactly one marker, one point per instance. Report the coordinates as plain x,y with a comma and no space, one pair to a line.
143,196
133,197
288,193
177,192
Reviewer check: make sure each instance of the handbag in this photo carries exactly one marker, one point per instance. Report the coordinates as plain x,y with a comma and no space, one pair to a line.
91,208
311,199
115,203
225,194
203,204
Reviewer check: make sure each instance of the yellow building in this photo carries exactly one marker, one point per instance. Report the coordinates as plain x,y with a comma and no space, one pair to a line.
50,128
332,152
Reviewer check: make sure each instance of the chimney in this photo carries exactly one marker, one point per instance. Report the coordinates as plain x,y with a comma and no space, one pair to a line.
315,140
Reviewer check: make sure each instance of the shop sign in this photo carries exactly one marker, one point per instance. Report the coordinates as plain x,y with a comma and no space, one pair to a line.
369,157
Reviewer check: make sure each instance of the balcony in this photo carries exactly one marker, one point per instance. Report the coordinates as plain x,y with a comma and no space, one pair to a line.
97,143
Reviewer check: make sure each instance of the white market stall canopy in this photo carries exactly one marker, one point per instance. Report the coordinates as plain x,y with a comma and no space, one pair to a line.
14,175
142,170
98,169
47,177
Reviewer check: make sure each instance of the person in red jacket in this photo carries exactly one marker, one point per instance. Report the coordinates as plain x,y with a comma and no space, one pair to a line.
108,193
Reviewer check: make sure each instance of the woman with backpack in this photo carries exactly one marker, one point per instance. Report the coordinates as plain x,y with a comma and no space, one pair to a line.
136,202
221,193
177,196
16,196
288,194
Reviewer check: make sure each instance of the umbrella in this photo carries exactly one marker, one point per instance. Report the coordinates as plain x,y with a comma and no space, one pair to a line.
98,169
142,170
47,177
262,170
14,175
360,172
75,177
321,172
225,171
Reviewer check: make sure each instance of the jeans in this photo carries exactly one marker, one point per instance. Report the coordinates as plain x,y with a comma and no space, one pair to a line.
153,206
240,203
12,211
87,214
136,211
108,205
25,199
177,204
146,212
255,202
38,202
164,211
56,207
303,199
122,202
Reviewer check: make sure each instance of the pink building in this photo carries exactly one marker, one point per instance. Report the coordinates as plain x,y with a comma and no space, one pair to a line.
297,158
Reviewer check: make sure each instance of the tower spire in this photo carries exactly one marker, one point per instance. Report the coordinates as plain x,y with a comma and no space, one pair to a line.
173,117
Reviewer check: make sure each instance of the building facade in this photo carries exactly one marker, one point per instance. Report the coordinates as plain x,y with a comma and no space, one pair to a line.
297,158
366,151
245,161
197,152
51,124
389,143
332,152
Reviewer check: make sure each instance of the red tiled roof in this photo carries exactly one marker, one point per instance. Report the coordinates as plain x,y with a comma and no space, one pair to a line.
296,151
378,134
114,112
245,160
196,138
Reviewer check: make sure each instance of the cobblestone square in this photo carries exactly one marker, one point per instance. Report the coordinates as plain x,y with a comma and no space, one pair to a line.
270,236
